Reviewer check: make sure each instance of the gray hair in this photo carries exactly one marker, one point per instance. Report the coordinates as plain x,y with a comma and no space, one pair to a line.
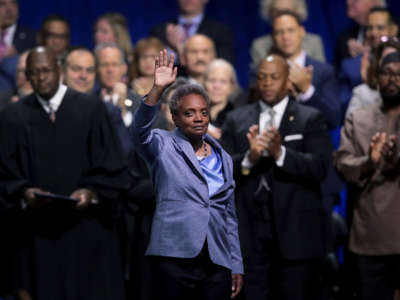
266,7
183,91
113,45
220,62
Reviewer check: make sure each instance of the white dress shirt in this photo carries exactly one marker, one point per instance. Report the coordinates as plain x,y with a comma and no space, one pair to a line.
55,101
9,37
265,119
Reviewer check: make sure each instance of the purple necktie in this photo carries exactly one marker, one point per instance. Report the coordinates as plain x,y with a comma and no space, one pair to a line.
187,27
3,46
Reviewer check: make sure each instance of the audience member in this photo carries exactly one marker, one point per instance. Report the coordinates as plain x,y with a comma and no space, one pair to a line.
368,158
141,72
68,187
198,52
380,24
220,82
367,93
312,81
190,21
79,70
194,240
261,46
281,152
13,37
54,34
351,41
23,88
111,72
113,27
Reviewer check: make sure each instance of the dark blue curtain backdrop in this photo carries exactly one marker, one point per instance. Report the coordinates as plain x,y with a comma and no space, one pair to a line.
326,18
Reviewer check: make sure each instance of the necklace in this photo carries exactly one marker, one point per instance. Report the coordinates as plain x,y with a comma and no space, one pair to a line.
205,148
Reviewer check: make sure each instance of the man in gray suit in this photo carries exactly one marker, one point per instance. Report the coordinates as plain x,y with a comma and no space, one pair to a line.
194,237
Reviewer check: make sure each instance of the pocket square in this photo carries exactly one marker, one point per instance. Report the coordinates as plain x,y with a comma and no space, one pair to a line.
293,137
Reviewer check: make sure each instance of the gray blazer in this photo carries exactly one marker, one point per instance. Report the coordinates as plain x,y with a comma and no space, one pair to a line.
185,215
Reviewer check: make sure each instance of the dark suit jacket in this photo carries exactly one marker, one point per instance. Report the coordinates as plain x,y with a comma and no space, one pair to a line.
326,97
218,32
24,38
342,49
295,202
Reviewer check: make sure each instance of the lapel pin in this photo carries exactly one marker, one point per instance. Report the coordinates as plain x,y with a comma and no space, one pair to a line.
291,118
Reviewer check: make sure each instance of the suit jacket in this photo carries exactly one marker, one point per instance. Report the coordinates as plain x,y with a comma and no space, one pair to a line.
342,48
24,39
185,215
326,95
295,202
218,32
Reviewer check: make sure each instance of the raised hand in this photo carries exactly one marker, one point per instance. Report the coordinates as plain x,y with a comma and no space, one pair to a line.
165,72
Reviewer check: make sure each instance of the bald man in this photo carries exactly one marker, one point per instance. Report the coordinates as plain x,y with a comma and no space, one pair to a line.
61,157
281,151
198,52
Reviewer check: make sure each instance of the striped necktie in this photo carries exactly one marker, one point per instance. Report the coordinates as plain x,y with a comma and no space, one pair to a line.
3,46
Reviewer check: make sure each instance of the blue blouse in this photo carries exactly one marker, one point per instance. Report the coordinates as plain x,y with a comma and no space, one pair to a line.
211,166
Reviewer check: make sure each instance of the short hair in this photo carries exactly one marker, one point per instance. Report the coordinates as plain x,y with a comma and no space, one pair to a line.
112,45
220,62
203,36
266,9
381,9
178,83
286,12
42,34
183,91
141,46
77,48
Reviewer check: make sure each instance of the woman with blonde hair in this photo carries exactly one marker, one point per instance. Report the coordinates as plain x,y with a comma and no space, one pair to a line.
113,27
141,69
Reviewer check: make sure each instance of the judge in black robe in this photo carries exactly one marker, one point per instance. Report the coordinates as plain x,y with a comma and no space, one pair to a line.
64,252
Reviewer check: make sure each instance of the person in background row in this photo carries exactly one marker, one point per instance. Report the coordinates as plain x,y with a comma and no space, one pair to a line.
113,27
190,21
68,248
13,37
194,240
55,35
260,47
380,25
111,75
141,70
220,82
351,41
198,52
367,93
79,70
23,88
368,157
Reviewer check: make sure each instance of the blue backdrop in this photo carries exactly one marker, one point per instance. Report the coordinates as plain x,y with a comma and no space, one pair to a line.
326,18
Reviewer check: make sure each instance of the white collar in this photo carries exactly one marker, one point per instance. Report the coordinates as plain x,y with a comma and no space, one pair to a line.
278,108
8,38
300,60
195,21
54,101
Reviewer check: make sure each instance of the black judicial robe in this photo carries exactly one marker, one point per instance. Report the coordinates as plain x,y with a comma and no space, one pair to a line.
64,253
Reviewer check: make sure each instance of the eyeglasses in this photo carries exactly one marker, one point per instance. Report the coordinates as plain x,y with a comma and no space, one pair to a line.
110,65
53,35
386,74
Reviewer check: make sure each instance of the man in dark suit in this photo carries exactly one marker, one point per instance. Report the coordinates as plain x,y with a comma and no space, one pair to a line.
16,38
281,152
192,20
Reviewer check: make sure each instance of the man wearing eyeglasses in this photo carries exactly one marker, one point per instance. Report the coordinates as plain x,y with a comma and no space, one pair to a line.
369,158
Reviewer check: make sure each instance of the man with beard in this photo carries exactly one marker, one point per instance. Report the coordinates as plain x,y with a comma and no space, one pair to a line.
369,158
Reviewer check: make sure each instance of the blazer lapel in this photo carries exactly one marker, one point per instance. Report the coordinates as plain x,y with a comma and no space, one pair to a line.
188,152
288,119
